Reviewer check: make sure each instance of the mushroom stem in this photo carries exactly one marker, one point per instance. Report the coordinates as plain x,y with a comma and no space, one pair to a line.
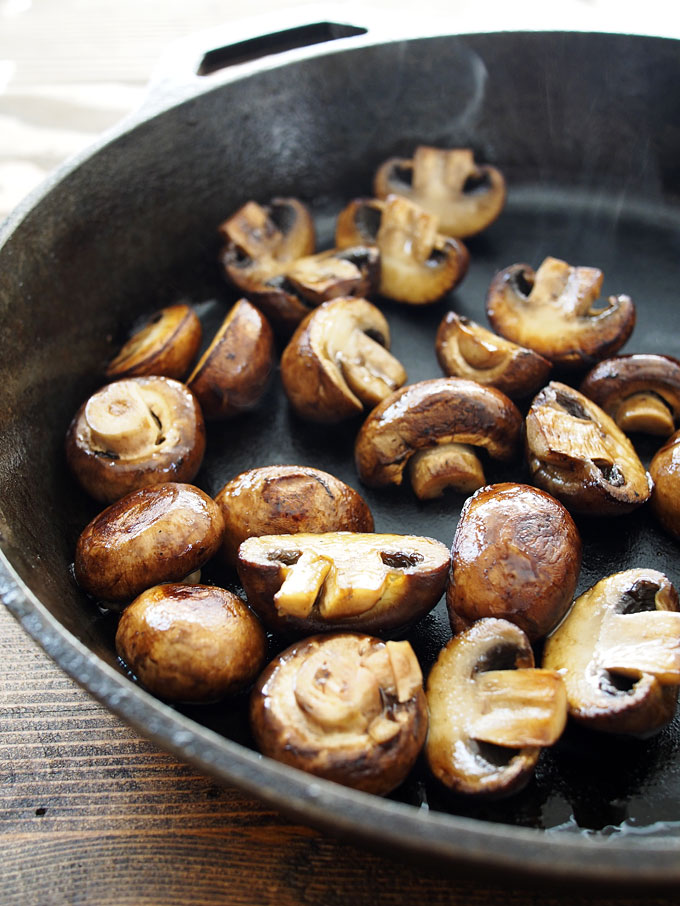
121,421
303,582
646,642
454,465
646,413
369,369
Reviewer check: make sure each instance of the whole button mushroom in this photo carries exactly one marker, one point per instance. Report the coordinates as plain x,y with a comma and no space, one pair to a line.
516,555
555,312
348,707
665,471
135,433
618,652
191,643
274,500
491,711
151,536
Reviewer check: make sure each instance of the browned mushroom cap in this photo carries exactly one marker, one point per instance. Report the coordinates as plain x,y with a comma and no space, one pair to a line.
554,312
344,581
148,537
432,427
491,711
618,651
640,392
665,471
516,555
167,345
348,708
464,196
468,350
337,362
276,500
417,263
578,454
233,373
193,643
134,433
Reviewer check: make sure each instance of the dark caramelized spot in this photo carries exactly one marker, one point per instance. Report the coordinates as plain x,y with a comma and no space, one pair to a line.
288,558
571,406
400,559
612,474
639,599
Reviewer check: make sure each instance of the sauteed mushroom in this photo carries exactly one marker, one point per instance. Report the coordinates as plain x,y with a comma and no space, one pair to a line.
337,362
618,651
432,427
578,454
166,345
464,196
274,500
417,263
134,433
516,555
490,710
665,471
344,581
256,236
349,708
554,312
192,643
151,536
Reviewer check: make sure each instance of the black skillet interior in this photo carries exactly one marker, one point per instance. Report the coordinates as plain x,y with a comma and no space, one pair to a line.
586,129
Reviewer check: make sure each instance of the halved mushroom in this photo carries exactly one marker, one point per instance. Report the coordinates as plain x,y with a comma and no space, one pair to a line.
192,643
347,707
665,471
166,345
578,454
433,427
233,373
135,433
554,312
274,500
337,362
281,231
151,536
491,711
464,196
468,350
640,392
417,263
618,651
516,555
344,581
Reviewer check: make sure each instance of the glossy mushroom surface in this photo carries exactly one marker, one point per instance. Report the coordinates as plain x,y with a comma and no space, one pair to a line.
665,471
166,345
346,707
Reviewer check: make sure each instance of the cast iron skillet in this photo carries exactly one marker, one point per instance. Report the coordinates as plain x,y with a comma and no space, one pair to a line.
586,128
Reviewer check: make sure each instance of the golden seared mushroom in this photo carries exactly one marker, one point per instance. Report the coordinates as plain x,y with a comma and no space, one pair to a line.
281,232
151,536
578,454
555,312
135,433
464,196
640,392
491,711
344,581
191,643
166,345
468,350
337,362
233,373
665,471
516,555
417,263
618,652
275,500
430,430
347,707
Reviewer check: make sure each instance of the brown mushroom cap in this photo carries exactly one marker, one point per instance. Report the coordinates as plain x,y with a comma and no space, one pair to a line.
577,453
417,263
516,556
348,708
342,581
193,643
464,196
554,312
135,433
440,419
490,710
468,350
166,345
151,536
665,471
275,500
233,373
337,362
618,651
